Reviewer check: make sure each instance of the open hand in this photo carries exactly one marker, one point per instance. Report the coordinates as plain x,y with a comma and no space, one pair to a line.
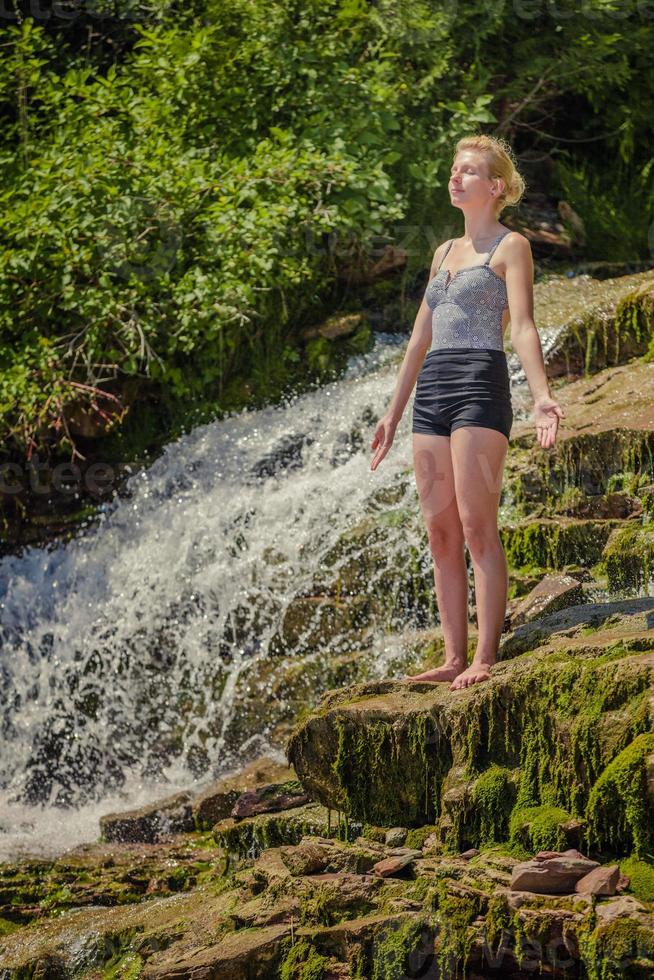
383,440
547,413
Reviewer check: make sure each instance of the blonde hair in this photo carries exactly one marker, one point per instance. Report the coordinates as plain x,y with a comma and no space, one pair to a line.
500,163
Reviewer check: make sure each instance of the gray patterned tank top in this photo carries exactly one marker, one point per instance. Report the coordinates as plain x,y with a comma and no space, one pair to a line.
467,307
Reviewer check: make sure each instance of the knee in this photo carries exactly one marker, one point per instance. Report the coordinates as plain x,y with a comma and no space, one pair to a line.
444,535
480,536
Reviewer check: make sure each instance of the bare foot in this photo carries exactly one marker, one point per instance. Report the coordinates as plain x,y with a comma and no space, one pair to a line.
479,670
446,672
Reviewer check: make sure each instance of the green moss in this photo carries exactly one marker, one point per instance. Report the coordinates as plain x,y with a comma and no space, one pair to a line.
620,812
641,877
375,786
504,849
498,921
538,828
553,545
127,967
629,559
61,896
7,927
377,834
621,948
302,962
250,836
395,945
543,740
418,835
456,935
493,796
609,461
323,906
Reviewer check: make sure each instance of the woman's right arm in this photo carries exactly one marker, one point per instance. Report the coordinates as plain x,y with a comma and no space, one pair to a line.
419,344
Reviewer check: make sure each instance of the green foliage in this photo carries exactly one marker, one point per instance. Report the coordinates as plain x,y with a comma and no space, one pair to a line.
174,217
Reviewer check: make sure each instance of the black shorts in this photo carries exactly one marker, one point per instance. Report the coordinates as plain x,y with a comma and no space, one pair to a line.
463,386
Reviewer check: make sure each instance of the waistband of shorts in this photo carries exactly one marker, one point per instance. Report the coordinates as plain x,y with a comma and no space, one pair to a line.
482,353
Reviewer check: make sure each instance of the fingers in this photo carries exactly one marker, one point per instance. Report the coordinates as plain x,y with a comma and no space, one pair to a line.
546,433
379,455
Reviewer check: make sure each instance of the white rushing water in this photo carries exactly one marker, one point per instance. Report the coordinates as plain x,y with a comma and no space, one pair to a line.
123,651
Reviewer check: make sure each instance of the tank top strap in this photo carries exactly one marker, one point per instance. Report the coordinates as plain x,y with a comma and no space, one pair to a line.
495,244
449,246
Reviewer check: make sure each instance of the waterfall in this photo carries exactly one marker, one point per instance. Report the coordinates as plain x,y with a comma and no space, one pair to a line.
126,651
121,649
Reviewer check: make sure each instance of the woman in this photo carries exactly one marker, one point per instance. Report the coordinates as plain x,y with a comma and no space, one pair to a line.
462,412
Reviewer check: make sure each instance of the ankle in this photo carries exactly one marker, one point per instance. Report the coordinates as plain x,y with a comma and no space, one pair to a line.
484,657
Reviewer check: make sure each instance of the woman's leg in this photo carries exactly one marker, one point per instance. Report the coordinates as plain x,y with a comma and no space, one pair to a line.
435,483
478,455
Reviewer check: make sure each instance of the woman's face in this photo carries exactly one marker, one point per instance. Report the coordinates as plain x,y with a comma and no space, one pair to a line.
470,183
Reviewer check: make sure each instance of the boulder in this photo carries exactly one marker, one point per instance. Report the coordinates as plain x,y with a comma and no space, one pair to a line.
553,592
215,801
551,875
149,823
396,836
391,866
599,881
270,799
391,753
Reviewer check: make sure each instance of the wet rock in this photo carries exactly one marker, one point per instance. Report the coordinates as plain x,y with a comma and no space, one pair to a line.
408,737
250,836
339,325
470,853
629,558
608,329
247,953
551,875
215,802
396,836
270,799
555,630
391,866
600,881
105,873
605,505
553,592
308,858
148,823
244,928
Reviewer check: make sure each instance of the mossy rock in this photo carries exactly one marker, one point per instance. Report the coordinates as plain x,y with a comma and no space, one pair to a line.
615,324
629,559
553,544
383,753
250,836
592,463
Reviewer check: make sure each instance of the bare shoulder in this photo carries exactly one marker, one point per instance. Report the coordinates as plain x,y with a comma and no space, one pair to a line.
515,253
517,244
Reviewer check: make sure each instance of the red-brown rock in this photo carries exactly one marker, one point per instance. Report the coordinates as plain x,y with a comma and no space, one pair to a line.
599,881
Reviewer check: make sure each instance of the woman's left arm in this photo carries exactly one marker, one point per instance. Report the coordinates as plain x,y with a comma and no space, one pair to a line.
524,336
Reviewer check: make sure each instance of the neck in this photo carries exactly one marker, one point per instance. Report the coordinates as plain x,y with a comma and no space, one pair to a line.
481,228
